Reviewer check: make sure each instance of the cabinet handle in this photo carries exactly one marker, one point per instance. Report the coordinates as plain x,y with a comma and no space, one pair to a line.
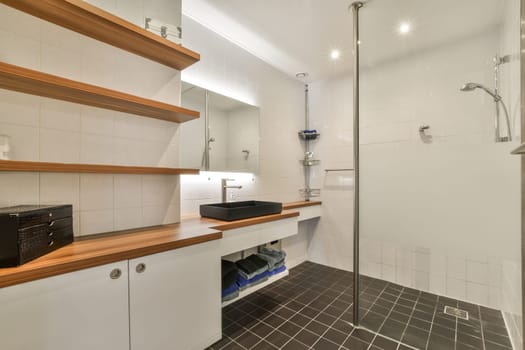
115,274
140,268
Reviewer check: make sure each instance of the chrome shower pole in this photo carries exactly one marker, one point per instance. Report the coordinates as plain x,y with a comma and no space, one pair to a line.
355,6
306,142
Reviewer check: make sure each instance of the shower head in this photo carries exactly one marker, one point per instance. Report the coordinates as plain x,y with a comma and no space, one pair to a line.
474,86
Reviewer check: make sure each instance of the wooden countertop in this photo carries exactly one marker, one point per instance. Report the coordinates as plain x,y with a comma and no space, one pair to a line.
300,204
107,248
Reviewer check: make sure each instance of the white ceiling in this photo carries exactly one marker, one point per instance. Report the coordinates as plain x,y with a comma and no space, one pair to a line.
298,35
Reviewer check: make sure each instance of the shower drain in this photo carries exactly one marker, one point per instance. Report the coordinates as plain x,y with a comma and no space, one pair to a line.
455,312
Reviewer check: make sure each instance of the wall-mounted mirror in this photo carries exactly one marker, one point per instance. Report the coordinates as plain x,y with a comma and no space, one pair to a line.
161,17
225,138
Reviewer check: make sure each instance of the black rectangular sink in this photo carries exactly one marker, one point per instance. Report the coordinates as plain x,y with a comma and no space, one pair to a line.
240,210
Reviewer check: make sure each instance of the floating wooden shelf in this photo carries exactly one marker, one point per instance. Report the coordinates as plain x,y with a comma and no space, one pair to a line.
42,84
100,25
14,165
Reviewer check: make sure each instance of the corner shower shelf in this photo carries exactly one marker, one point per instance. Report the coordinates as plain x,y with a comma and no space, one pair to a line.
42,84
22,166
310,162
308,136
100,25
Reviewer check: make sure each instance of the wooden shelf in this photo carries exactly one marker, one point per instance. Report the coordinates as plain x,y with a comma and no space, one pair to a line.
100,25
13,165
42,84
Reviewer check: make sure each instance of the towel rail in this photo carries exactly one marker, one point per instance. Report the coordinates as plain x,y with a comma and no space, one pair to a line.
333,170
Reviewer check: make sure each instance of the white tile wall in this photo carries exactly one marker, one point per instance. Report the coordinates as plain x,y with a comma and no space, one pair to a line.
441,220
43,129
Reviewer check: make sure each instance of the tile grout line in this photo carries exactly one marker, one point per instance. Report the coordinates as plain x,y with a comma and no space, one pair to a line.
481,326
409,316
432,323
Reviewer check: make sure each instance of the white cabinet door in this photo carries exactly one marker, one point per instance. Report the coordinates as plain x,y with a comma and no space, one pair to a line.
82,310
175,301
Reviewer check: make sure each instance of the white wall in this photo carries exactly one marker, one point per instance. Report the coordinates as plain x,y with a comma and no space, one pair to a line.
229,70
42,129
511,92
442,217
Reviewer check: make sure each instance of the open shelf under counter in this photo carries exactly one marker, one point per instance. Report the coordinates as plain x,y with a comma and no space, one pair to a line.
255,288
42,84
23,166
91,21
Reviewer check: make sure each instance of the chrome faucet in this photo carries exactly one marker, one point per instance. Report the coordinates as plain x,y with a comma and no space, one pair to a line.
224,188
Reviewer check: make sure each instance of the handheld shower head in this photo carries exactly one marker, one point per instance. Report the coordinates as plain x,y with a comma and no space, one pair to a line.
473,86
498,100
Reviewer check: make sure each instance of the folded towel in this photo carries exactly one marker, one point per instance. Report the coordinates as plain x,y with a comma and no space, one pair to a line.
277,270
252,266
229,279
272,257
244,283
227,267
232,289
277,267
230,296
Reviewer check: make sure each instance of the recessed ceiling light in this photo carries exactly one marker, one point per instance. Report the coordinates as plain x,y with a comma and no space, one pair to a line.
301,75
335,54
404,28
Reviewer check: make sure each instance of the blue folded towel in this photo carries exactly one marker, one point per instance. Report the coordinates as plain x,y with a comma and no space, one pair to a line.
244,283
277,270
229,290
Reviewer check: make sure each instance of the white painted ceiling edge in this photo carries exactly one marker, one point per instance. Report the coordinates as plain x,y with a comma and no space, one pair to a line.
222,24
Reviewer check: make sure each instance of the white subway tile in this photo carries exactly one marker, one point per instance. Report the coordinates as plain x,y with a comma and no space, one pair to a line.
388,272
438,284
23,51
19,23
456,268
128,191
128,126
478,293
421,280
61,61
59,146
127,152
76,223
97,121
19,188
19,109
421,261
457,288
96,221
477,272
96,192
60,189
96,149
128,218
23,141
159,190
388,254
59,115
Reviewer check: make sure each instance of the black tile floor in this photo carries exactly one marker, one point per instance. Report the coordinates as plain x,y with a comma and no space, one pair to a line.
312,309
